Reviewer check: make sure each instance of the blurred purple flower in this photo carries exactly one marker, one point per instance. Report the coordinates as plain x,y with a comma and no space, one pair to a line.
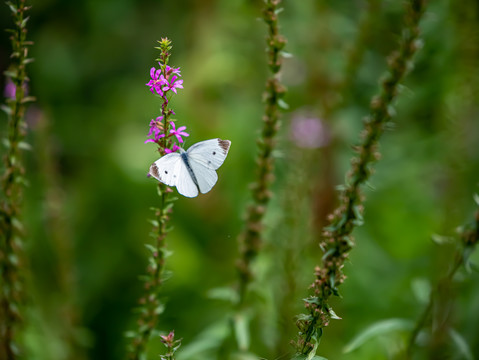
10,89
157,81
309,132
178,132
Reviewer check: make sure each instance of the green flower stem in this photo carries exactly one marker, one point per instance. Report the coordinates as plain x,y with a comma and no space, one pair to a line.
337,240
11,243
150,304
468,239
250,238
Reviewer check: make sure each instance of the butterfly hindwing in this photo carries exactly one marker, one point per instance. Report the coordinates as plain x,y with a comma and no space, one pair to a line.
211,153
205,176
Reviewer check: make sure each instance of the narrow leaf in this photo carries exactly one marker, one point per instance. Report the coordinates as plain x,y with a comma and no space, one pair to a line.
6,109
333,314
283,104
441,240
476,199
24,146
461,344
286,55
380,328
241,326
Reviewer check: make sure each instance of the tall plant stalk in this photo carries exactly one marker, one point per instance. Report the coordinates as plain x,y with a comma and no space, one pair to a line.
337,240
12,182
164,81
468,239
250,237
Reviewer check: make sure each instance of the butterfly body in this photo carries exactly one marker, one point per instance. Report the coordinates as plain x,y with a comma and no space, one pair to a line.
192,171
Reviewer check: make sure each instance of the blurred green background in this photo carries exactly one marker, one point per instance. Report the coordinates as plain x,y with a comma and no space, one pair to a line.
87,204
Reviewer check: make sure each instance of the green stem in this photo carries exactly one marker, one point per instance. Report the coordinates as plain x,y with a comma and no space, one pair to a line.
470,238
11,243
337,240
250,237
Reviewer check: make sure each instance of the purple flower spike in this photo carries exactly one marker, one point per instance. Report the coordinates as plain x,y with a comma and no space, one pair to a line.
178,132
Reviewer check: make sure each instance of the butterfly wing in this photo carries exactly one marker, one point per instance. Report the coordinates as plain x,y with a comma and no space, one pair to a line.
211,153
205,176
185,185
172,171
204,158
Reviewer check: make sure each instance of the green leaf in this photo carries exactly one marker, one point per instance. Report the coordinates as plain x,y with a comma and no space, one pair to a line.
312,300
331,251
24,146
358,216
461,344
241,327
6,109
12,7
377,329
28,61
441,240
333,314
224,293
421,288
286,55
151,248
159,309
28,99
476,199
283,104
208,340
23,24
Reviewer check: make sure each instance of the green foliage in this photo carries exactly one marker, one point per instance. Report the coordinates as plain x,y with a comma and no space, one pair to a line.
88,201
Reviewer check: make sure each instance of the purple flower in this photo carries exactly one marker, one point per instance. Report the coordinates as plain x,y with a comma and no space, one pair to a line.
178,132
156,128
309,132
157,81
169,70
11,90
173,149
173,84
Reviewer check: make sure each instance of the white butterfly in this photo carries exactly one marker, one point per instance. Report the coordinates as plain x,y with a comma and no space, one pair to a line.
194,169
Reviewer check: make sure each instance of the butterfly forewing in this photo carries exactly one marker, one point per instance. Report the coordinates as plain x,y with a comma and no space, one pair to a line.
211,153
185,184
166,169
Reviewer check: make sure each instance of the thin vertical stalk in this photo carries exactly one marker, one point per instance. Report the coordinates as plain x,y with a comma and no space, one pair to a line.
250,237
150,305
469,237
163,80
11,228
337,240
